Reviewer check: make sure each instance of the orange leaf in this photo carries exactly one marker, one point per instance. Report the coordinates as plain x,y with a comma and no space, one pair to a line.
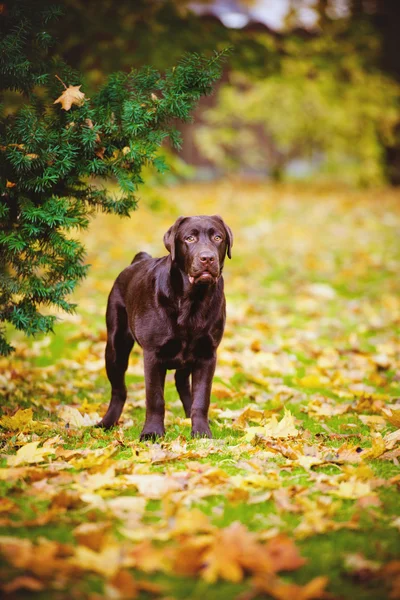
71,95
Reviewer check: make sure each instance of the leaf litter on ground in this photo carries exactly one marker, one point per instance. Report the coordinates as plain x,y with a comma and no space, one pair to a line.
305,414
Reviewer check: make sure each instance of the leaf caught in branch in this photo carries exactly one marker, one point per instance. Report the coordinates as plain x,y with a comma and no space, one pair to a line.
71,96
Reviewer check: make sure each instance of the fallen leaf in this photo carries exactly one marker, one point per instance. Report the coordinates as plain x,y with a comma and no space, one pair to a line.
153,485
393,416
391,439
22,420
29,454
274,429
22,582
352,489
106,563
91,535
280,590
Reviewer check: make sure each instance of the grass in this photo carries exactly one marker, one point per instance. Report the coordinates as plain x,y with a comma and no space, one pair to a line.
313,321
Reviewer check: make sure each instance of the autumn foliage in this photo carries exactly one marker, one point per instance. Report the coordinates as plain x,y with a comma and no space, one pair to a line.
60,149
297,495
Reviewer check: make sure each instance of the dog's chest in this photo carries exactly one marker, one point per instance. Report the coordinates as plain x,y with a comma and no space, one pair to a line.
184,347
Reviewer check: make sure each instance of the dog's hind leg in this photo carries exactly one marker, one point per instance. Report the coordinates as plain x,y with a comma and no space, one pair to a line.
119,346
182,382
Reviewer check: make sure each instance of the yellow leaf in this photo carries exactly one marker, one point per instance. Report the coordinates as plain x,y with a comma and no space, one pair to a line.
393,416
221,391
7,505
127,507
73,417
99,480
254,480
391,439
22,421
352,489
274,428
30,453
107,562
248,414
153,485
10,184
378,447
252,432
71,95
313,381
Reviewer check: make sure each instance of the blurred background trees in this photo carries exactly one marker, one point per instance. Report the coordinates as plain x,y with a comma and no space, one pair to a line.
311,89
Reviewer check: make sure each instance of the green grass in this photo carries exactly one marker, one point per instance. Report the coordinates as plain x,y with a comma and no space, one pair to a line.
280,251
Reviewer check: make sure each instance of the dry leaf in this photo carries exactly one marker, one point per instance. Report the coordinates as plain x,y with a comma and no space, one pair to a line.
393,416
107,562
29,454
22,582
154,486
274,428
71,96
352,489
22,421
280,590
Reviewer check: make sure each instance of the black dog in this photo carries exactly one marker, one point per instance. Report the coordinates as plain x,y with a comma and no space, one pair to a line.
174,307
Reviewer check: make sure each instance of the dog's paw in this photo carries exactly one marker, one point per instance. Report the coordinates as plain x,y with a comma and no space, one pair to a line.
201,430
152,433
106,424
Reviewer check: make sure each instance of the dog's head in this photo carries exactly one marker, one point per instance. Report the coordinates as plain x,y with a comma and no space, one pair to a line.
199,245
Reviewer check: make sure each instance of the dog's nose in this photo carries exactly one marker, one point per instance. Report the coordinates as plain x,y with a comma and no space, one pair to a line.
207,257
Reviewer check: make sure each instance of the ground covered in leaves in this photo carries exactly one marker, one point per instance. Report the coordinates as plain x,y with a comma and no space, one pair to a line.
297,495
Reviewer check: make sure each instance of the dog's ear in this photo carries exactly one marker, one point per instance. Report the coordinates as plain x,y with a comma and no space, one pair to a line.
170,237
229,235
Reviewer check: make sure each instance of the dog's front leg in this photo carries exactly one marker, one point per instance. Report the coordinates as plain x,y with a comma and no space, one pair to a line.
154,373
202,377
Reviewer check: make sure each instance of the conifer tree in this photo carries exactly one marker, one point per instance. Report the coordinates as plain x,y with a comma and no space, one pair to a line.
59,149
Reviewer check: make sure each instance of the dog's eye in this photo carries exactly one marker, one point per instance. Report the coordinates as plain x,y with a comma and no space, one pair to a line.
190,239
217,237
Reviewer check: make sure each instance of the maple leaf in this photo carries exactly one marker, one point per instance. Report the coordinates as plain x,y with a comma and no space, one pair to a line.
391,439
73,417
280,590
71,96
235,550
393,416
22,421
274,428
30,453
107,562
353,489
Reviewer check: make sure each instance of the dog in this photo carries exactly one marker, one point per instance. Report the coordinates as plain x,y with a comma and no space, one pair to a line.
174,308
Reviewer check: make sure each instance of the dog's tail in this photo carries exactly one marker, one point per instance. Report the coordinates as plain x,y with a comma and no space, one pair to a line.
140,256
